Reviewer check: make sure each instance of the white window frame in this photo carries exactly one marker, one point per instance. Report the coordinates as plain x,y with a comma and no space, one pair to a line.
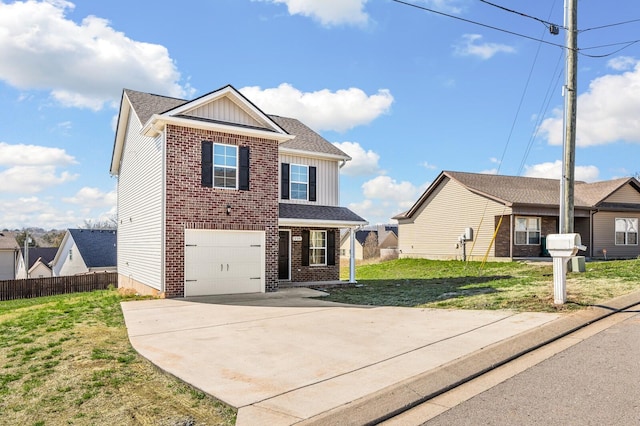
528,232
298,182
320,249
225,166
630,225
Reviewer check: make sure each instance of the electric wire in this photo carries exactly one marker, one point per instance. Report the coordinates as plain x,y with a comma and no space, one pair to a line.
426,9
608,26
546,23
627,44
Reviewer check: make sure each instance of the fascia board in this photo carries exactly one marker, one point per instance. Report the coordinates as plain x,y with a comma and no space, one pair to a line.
318,223
121,131
313,154
157,122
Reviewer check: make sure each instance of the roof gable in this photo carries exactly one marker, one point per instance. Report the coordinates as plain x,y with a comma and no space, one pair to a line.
8,241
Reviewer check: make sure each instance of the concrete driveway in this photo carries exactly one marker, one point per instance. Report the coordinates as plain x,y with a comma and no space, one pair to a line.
283,358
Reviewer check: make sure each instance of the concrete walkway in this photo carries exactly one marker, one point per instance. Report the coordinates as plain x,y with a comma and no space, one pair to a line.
283,358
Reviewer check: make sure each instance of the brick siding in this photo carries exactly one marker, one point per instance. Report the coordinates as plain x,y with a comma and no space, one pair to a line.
189,205
301,273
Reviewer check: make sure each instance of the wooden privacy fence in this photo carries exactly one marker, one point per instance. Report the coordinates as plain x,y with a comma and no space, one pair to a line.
37,287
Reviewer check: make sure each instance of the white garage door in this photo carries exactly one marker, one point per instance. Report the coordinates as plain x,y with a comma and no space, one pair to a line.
223,262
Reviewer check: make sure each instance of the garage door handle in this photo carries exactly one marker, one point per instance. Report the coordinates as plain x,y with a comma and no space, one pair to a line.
255,245
254,278
221,267
227,267
191,281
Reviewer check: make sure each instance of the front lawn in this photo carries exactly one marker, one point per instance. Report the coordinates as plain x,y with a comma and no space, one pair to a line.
496,285
66,360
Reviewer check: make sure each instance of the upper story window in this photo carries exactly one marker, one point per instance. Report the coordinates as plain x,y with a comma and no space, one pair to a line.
626,232
225,166
297,182
527,231
299,176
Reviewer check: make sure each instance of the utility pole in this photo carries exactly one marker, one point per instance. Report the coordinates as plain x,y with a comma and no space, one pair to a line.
570,111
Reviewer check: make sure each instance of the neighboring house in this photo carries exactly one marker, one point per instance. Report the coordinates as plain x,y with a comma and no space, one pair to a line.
521,212
385,238
83,251
217,197
11,261
40,259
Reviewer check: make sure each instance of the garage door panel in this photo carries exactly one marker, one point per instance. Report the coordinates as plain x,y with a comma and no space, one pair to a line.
223,262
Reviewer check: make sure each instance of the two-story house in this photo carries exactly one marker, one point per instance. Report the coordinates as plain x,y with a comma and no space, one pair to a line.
217,197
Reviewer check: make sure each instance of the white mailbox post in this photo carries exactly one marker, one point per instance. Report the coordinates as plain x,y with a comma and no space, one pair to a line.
562,247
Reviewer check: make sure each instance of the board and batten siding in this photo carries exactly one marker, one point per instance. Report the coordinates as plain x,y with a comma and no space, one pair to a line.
224,110
604,234
327,179
434,229
140,195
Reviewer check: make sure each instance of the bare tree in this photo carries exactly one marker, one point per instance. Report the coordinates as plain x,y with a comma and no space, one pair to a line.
109,223
370,247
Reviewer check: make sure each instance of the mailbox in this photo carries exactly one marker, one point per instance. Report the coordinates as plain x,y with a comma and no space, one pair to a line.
564,245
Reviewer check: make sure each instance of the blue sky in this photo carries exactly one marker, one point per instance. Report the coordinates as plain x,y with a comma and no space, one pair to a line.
406,92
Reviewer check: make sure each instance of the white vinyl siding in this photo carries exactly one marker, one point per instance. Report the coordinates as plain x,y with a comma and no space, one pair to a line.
433,231
140,211
327,179
70,261
7,264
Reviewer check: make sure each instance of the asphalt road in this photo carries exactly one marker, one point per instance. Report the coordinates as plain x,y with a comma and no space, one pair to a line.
595,382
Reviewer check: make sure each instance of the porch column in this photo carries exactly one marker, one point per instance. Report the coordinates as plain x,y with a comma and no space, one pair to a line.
352,256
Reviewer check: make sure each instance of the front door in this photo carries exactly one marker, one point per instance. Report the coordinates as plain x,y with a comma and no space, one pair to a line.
283,255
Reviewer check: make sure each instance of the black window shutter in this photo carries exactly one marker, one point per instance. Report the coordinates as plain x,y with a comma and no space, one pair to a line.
331,247
243,184
207,164
305,247
284,182
312,183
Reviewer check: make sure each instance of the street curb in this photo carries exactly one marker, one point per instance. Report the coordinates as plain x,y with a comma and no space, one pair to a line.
395,399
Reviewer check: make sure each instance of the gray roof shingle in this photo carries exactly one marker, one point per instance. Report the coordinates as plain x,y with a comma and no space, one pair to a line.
97,246
8,241
146,104
313,212
45,253
519,190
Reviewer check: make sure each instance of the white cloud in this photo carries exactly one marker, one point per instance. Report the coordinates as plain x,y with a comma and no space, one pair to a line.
428,166
493,171
622,63
471,46
33,211
388,189
82,65
323,109
329,12
32,179
93,198
607,112
33,155
554,171
362,162
443,5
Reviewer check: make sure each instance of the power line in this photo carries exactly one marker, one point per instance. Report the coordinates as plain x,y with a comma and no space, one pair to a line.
478,23
627,44
550,25
609,25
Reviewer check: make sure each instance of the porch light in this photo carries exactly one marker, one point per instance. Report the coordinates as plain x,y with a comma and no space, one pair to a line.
228,209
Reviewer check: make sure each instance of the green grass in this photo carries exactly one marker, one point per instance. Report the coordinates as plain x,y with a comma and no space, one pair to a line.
67,360
497,285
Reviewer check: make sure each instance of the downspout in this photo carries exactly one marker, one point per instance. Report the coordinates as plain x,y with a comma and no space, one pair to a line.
511,236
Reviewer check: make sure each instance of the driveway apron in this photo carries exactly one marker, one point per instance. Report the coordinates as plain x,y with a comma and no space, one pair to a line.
282,358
